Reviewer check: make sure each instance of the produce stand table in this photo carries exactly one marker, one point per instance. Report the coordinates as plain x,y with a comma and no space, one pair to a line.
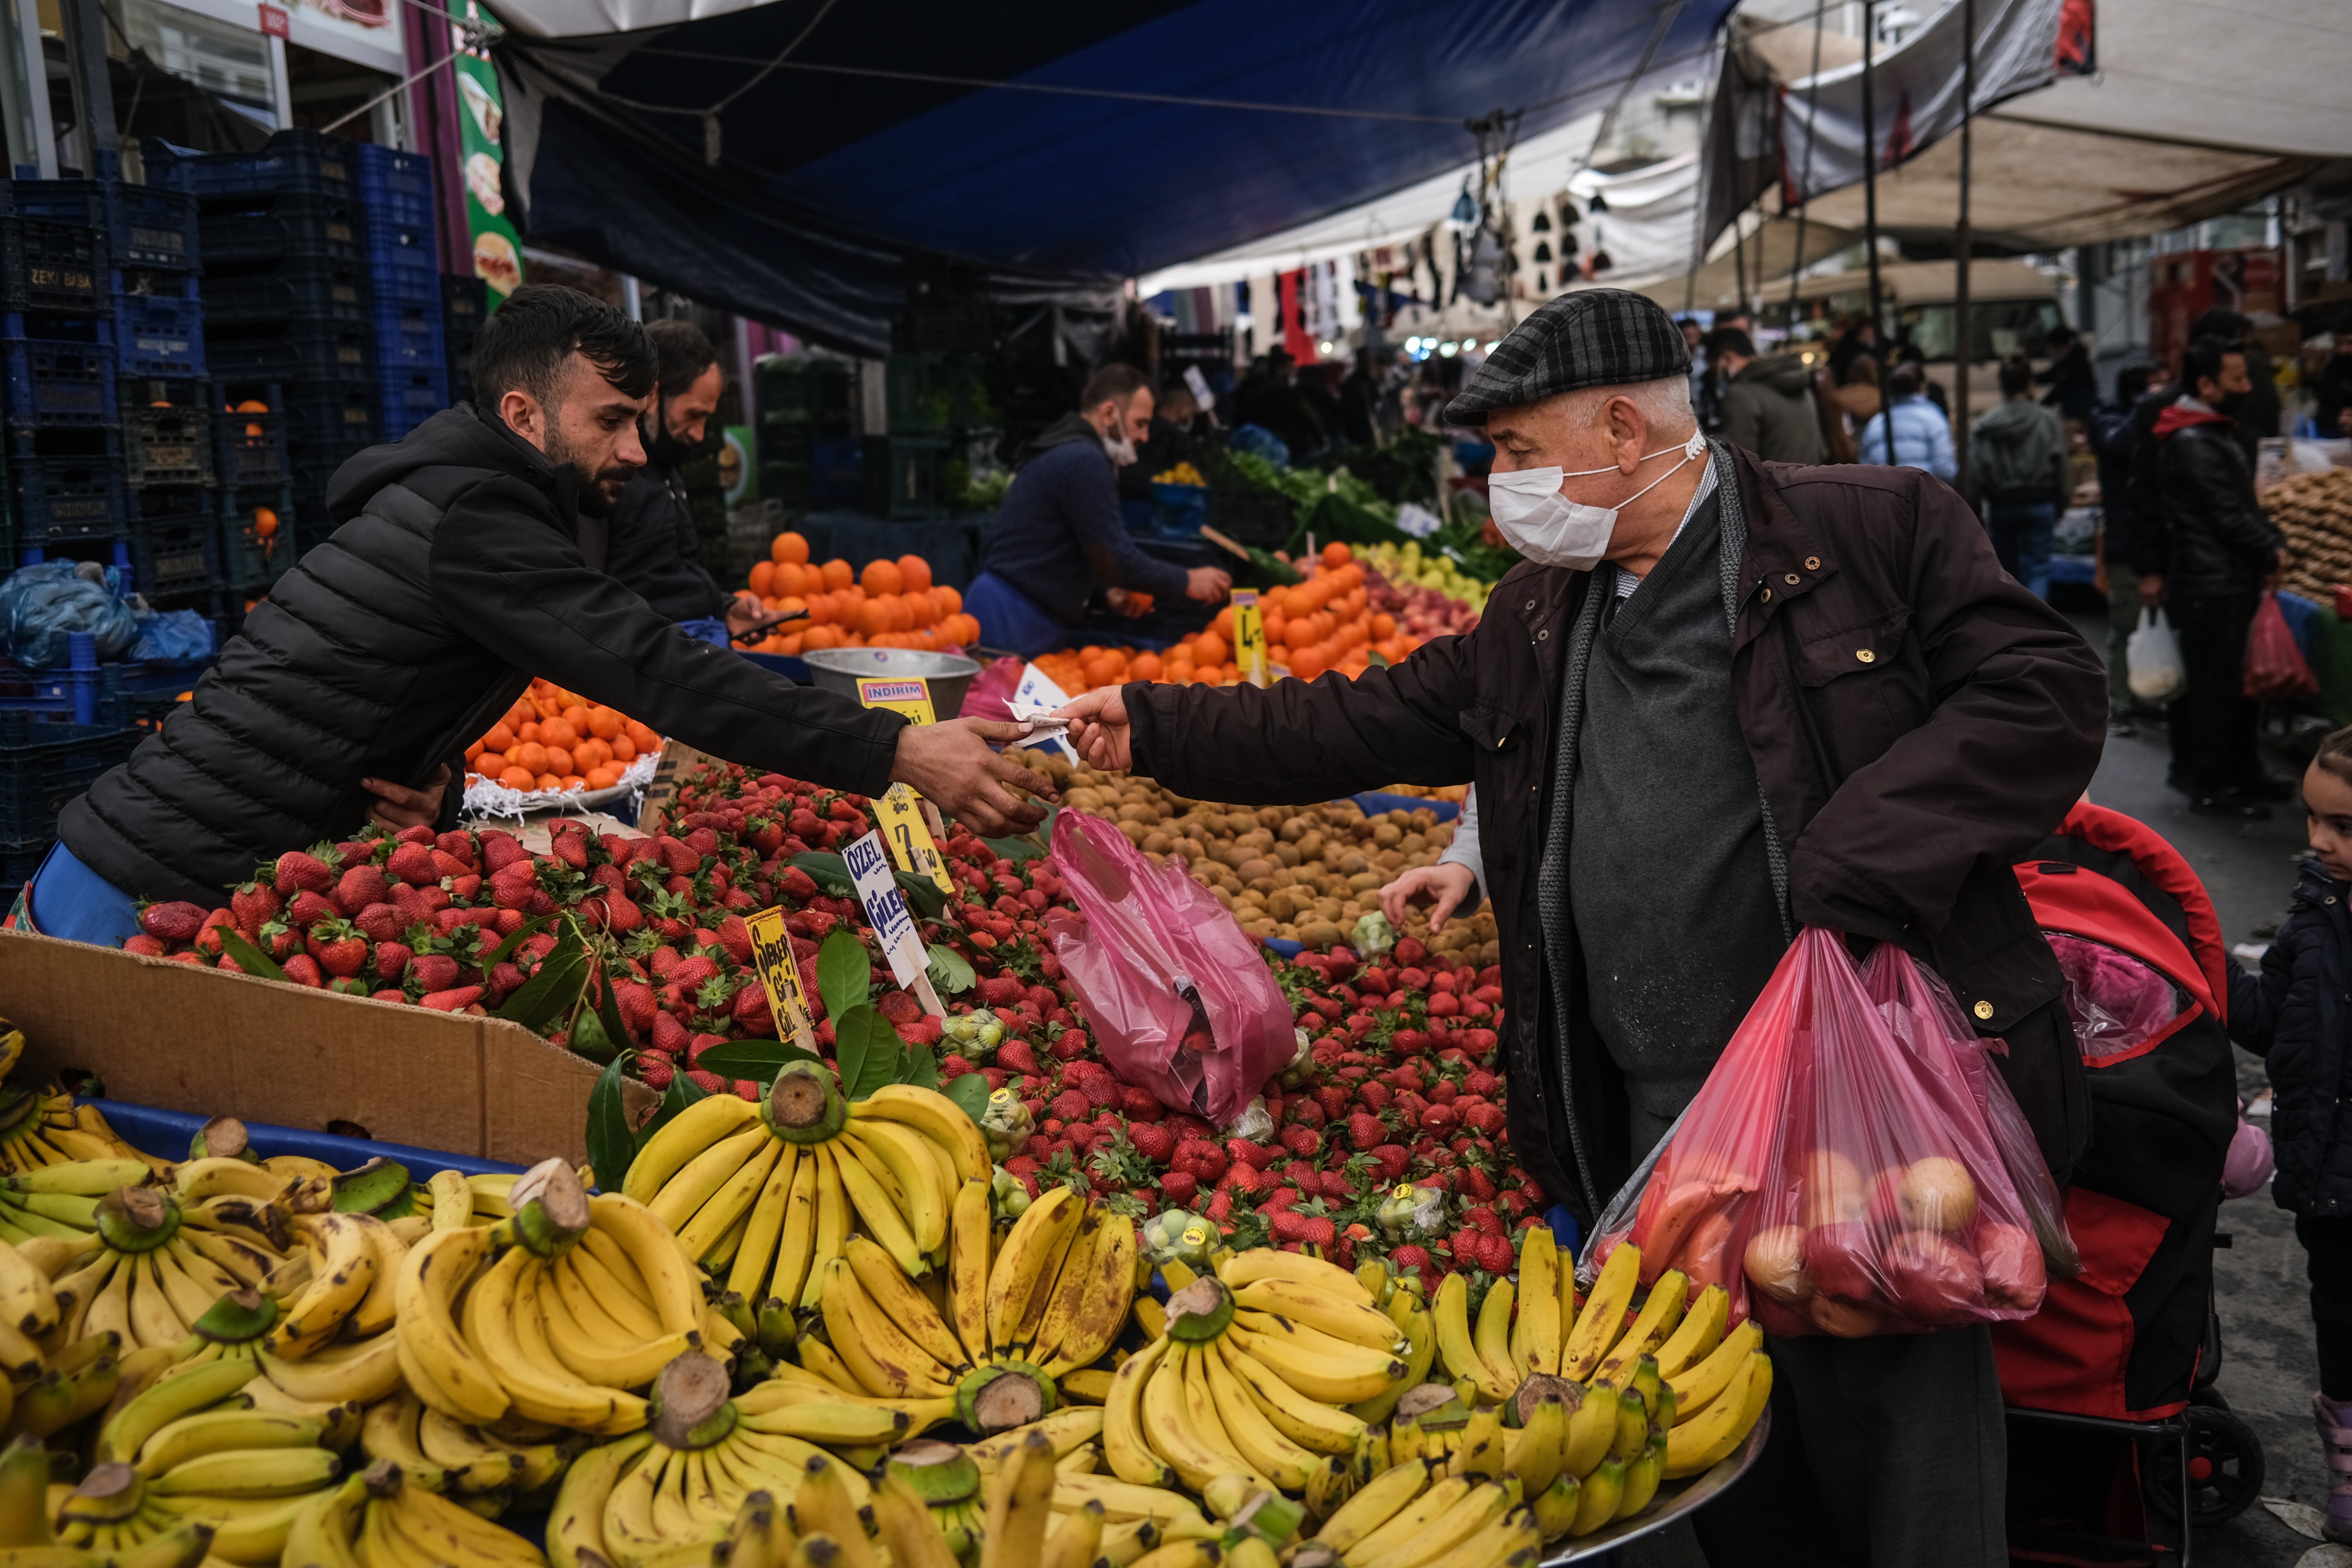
1695,1494
166,1134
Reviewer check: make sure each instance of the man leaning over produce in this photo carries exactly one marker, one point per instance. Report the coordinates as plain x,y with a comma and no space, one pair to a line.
456,577
1720,702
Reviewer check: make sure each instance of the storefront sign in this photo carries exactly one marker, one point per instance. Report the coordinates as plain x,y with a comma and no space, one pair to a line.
780,974
275,23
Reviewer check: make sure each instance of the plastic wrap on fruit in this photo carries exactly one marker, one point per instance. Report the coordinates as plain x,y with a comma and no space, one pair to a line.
1412,1213
1301,1070
1007,1198
1007,1123
1255,1124
985,1030
1176,1236
1373,934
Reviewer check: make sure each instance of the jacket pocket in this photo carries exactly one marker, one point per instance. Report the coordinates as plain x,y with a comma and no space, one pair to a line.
1871,646
1491,728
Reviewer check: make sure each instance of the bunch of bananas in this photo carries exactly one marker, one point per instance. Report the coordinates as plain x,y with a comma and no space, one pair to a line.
27,1540
1408,1516
382,1519
1256,1390
60,1389
437,1453
41,1127
192,1448
679,1485
766,1195
568,1305
1047,1303
155,1263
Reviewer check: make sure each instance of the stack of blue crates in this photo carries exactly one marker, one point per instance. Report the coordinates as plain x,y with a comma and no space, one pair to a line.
404,267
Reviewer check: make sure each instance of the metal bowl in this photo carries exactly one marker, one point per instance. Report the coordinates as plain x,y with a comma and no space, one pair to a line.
841,669
1675,1499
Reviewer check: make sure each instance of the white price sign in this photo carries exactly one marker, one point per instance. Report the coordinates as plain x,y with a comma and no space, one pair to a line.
869,860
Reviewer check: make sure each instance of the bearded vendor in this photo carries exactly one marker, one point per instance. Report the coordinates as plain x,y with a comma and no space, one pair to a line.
1722,699
1059,539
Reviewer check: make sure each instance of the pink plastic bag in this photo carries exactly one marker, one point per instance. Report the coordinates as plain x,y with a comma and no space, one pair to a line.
2275,669
989,695
1837,1172
1178,997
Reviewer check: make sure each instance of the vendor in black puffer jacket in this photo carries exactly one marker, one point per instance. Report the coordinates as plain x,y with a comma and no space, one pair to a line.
2298,1018
457,575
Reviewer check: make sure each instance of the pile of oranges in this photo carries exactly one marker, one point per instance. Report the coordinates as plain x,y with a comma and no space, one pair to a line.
554,739
891,604
1324,623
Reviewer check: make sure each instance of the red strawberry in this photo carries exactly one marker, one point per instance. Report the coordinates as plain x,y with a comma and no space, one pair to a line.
513,885
570,847
1139,1104
899,1006
1101,1090
454,1001
499,850
1291,1227
392,960
1015,1055
708,1082
1155,1142
1486,1219
1301,1141
413,864
669,1035
308,909
1257,1156
1487,1118
341,950
1333,1186
381,922
657,1069
146,946
1365,1130
1495,1252
1246,1179
433,971
359,887
254,903
505,980
175,922
1201,1158
297,872
690,973
1221,1208
753,1014
1410,1258
303,970
1392,1161
1071,1106
1178,1188
736,938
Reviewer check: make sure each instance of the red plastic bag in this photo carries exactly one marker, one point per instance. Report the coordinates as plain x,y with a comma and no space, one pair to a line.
989,695
1180,996
2275,671
1839,1172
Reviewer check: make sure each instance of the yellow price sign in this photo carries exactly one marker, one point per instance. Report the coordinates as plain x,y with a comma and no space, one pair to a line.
912,698
779,973
1249,636
909,836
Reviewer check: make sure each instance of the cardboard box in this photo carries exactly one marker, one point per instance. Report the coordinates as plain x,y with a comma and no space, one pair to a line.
216,1042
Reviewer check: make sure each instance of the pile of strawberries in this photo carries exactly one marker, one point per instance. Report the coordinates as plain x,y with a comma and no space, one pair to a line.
1393,1100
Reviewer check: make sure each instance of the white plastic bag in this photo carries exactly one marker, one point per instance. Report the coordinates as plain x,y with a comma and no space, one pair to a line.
2152,659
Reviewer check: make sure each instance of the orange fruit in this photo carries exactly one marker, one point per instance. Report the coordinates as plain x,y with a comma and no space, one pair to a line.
498,740
603,723
882,577
1307,663
875,618
791,645
251,405
915,572
622,748
950,596
1336,554
265,523
1223,625
1146,667
549,781
558,733
1384,627
603,778
529,755
518,777
763,579
837,574
788,546
1209,648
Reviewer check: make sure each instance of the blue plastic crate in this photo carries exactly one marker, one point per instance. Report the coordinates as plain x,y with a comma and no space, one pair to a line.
408,337
47,266
311,292
301,354
410,398
331,422
279,226
45,764
152,225
57,385
296,160
397,186
405,247
166,1134
66,496
403,285
156,334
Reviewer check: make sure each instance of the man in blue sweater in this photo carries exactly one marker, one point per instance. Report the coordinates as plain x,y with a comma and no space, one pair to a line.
1060,535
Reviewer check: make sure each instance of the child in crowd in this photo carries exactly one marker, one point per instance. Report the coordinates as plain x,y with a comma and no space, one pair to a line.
2297,1016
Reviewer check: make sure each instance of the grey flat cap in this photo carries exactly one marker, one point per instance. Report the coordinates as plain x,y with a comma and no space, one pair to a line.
1593,337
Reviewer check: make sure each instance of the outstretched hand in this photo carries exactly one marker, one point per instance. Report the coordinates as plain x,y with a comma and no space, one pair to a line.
1099,728
950,765
1446,884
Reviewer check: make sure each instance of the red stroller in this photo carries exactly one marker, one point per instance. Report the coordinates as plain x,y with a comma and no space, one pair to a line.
2119,1366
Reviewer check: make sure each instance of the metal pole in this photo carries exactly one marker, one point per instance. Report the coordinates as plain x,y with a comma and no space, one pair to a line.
1805,179
1870,179
1964,341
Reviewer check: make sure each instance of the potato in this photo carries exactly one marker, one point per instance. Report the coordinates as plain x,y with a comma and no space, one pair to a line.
1320,935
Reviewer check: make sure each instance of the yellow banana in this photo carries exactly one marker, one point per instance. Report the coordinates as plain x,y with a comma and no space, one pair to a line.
684,1194
1697,1387
755,1256
1309,1423
1538,1449
1711,1435
704,1234
1535,1336
899,1151
342,1270
453,1200
358,1374
1129,1454
1268,1451
1038,1236
1592,1427
1657,1318
903,1304
1105,1289
676,1298
688,1135
1492,1338
575,1525
884,1220
1318,1365
506,1324
1603,1318
435,1269
1697,1334
937,1117
833,1219
883,1360
1343,1315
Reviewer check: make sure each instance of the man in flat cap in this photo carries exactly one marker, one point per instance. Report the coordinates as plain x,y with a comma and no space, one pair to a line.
1720,700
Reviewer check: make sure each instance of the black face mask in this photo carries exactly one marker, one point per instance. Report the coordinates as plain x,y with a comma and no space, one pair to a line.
664,450
2233,404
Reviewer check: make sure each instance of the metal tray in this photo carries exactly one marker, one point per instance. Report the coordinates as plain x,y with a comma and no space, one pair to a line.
1675,1499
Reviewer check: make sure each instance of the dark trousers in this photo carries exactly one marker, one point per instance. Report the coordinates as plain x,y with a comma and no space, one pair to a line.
2020,533
2213,721
1885,1452
2327,1259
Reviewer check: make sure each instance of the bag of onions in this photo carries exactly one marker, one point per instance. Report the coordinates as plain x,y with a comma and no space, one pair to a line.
1851,1166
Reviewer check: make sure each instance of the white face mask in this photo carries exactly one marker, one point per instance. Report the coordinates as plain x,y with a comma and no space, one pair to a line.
1121,450
1550,529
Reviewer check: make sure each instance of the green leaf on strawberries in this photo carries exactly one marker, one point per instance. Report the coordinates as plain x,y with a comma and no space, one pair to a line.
951,976
867,1050
553,988
587,1036
250,958
918,1066
515,938
922,894
759,1060
1034,845
611,1144
843,971
970,1092
828,871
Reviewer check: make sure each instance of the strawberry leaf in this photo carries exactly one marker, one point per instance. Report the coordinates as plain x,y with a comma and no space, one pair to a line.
828,871
843,972
970,1092
918,1066
866,1048
553,987
759,1060
682,1092
951,976
515,938
250,958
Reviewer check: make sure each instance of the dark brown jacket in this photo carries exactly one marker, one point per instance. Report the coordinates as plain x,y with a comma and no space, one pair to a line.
1918,720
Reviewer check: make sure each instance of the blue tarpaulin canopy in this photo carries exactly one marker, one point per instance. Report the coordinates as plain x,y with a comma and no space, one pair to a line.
792,161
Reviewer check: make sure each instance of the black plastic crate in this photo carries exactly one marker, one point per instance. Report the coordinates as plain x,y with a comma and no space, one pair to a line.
312,293
286,224
159,334
250,441
72,494
395,182
53,384
45,764
1259,518
296,160
303,355
931,394
322,421
175,554
151,225
47,266
166,446
256,551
